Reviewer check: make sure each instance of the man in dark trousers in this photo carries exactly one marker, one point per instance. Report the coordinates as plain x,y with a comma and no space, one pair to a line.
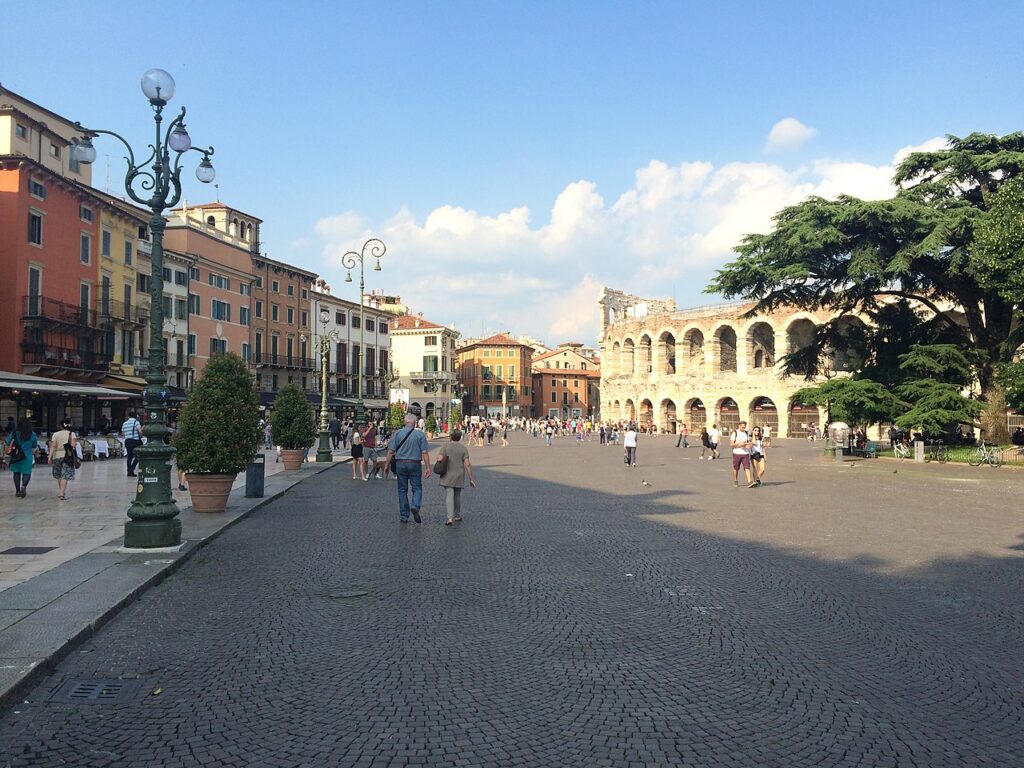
131,431
334,429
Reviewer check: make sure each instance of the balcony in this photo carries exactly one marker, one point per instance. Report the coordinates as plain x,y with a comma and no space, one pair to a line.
264,360
432,376
178,361
51,312
43,354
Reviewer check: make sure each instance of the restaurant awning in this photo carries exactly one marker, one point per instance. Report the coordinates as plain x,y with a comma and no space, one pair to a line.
21,383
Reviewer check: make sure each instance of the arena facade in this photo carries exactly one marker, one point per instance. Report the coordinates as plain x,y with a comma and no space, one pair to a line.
705,365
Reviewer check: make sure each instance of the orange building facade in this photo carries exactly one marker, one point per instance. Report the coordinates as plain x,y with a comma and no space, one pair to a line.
495,374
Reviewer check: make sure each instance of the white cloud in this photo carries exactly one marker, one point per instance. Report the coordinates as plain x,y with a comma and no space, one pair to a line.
932,145
664,235
788,133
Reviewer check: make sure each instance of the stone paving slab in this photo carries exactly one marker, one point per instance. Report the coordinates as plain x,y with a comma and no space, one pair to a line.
42,618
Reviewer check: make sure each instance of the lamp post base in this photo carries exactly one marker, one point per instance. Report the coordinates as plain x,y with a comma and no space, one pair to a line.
152,534
323,448
360,413
154,514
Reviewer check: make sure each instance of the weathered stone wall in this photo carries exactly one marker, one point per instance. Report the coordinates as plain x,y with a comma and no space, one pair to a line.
663,367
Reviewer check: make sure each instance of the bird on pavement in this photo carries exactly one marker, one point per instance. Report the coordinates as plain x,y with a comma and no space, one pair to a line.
644,482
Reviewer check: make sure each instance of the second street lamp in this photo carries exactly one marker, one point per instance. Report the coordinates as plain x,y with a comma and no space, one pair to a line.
155,184
323,448
373,248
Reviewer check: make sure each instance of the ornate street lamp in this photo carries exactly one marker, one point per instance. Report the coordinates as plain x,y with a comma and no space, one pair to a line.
155,184
323,449
373,248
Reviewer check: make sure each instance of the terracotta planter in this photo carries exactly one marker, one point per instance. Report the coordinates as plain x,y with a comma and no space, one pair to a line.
210,492
292,459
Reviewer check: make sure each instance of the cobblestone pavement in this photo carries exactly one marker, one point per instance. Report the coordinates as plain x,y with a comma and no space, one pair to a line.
576,618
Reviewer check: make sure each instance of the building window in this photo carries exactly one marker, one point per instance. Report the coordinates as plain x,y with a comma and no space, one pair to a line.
218,346
246,355
486,392
575,397
291,316
142,283
85,248
180,278
220,310
105,238
54,151
193,304
20,131
128,252
291,290
259,308
191,343
180,309
382,327
305,294
565,398
168,274
511,371
275,286
430,363
36,189
305,318
193,273
85,214
259,282
430,341
243,315
340,318
168,307
219,281
275,312
35,228
355,320
576,383
245,289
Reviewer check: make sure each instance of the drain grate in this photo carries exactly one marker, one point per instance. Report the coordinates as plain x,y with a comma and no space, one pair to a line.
96,691
27,550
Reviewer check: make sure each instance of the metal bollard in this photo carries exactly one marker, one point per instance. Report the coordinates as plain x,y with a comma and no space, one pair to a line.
254,476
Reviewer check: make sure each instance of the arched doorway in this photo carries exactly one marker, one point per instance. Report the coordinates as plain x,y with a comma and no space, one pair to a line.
696,414
429,410
802,419
763,413
668,416
727,415
616,410
725,345
646,412
645,354
630,414
667,352
628,358
761,346
693,343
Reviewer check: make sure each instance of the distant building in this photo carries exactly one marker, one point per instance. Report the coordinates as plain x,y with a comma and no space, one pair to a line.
566,384
423,365
495,374
391,304
538,347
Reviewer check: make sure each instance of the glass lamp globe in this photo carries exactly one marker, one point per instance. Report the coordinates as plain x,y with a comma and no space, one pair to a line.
325,316
205,172
158,86
179,140
84,151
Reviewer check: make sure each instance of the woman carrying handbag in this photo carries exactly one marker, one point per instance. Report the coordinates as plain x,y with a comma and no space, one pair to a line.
454,468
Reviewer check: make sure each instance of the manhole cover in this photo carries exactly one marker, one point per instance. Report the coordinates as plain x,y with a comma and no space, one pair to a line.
27,550
96,691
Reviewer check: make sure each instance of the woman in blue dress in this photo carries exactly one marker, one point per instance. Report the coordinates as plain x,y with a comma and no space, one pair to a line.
25,437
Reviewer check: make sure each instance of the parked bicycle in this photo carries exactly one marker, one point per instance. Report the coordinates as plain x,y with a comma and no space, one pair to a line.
937,452
902,451
985,454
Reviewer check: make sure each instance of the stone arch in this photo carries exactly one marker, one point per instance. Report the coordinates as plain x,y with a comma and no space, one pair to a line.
725,348
646,364
799,334
760,343
211,222
429,410
630,410
668,418
646,414
727,415
667,352
696,414
764,413
802,419
628,361
693,348
616,410
615,360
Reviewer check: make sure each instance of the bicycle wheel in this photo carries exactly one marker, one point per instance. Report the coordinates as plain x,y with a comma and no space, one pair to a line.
928,455
975,457
995,458
942,454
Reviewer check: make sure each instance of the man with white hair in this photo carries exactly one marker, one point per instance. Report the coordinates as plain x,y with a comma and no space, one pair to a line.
409,448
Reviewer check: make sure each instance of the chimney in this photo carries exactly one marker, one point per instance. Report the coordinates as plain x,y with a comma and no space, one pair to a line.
417,322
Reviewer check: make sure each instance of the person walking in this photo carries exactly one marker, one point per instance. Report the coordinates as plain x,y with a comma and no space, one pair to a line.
358,463
705,444
268,441
758,452
490,432
684,435
740,442
63,457
714,438
549,433
131,431
629,443
370,449
334,430
504,435
21,447
409,449
453,480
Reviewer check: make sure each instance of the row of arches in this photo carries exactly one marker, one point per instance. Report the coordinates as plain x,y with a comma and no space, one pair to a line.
725,412
719,351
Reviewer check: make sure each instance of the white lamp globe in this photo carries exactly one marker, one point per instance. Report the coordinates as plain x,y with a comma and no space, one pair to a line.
205,172
158,85
179,140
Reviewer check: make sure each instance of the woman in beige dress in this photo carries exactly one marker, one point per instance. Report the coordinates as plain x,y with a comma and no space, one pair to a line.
63,468
454,478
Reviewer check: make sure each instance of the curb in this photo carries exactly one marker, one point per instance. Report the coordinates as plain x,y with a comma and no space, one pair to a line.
10,691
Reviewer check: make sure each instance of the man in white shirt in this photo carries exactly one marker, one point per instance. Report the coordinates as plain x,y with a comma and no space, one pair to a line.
629,443
131,431
741,442
714,438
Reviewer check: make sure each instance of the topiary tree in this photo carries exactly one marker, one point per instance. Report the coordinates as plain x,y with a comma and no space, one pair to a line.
219,429
431,425
292,423
396,416
454,418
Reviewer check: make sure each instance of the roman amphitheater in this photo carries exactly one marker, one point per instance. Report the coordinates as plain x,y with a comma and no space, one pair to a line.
704,365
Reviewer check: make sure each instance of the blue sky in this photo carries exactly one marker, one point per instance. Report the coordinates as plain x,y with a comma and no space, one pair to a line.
517,156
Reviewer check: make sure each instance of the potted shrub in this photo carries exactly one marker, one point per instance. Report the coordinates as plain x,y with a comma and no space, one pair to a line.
431,426
396,416
292,425
218,431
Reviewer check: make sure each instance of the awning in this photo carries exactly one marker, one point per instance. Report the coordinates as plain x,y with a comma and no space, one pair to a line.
12,383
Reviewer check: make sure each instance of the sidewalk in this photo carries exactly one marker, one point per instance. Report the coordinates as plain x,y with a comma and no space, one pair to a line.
50,601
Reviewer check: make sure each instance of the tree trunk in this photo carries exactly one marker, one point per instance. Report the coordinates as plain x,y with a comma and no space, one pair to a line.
993,418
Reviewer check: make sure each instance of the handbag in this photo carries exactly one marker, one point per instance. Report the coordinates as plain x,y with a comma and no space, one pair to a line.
625,458
71,456
441,465
16,453
393,465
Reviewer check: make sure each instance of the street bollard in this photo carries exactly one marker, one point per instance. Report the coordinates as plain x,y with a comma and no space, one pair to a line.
919,451
254,475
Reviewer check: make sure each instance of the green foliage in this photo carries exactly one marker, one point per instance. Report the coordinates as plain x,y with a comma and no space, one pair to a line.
219,422
849,255
1000,243
396,416
937,406
431,425
940,362
292,422
1011,378
454,417
855,401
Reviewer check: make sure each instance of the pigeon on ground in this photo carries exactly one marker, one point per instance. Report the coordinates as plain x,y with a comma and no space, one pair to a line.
644,482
